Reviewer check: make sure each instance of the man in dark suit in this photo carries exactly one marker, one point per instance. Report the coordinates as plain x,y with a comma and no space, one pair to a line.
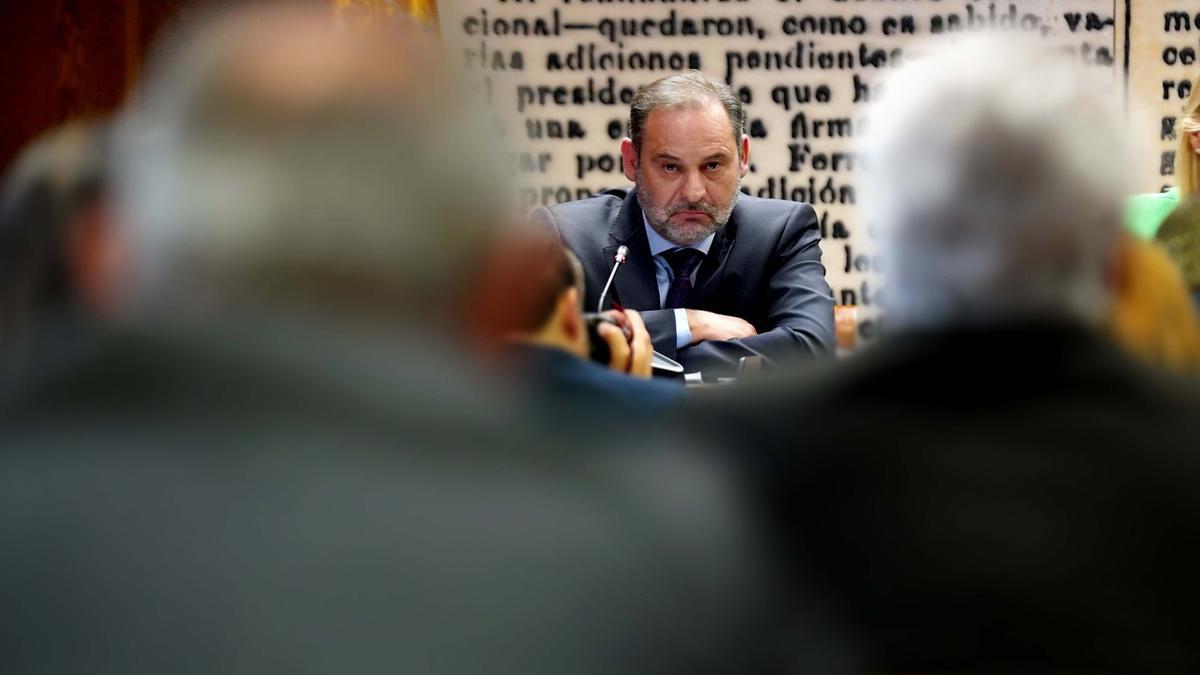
995,486
717,275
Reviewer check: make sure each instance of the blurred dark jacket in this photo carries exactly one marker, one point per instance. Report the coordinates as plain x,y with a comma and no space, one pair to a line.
1020,497
273,498
586,395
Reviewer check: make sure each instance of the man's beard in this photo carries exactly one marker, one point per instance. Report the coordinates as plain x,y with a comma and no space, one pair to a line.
685,234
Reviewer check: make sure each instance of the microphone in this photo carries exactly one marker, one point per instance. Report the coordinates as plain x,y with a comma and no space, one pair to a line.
657,360
622,254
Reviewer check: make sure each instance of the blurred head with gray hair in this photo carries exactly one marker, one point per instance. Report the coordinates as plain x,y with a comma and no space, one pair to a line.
996,177
277,158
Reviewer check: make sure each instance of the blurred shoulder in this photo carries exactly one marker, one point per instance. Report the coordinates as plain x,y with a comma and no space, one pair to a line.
602,207
774,212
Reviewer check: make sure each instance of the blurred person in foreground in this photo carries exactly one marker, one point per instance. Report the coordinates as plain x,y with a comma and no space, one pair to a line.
280,460
527,314
995,485
1180,237
1153,315
56,246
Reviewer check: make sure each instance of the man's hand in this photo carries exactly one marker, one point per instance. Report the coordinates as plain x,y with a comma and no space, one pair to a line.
629,355
713,326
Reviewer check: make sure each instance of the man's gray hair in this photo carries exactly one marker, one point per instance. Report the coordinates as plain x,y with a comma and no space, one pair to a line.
247,175
996,175
681,91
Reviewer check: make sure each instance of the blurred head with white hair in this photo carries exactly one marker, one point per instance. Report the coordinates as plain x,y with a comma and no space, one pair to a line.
276,157
996,177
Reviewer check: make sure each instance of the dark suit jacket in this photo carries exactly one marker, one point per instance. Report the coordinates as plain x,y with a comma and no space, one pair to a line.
289,498
564,389
1016,498
764,266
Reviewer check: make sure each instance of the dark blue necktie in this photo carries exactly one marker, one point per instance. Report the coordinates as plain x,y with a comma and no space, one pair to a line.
683,262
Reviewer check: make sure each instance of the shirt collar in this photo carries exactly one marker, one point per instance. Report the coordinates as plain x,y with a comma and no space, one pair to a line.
658,245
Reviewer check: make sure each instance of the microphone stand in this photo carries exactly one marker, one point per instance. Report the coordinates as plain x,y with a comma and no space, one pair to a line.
657,361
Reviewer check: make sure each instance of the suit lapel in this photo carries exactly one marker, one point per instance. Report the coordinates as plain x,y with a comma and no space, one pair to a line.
635,285
713,266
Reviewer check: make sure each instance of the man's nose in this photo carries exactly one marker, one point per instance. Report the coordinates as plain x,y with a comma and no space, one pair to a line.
693,187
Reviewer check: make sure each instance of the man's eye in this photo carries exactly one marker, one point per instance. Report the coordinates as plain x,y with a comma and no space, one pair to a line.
670,168
712,166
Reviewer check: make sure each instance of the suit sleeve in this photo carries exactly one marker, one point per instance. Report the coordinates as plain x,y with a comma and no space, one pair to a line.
660,323
799,320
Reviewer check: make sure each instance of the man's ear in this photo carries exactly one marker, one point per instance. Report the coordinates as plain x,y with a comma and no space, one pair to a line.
744,164
97,257
570,317
570,320
629,159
